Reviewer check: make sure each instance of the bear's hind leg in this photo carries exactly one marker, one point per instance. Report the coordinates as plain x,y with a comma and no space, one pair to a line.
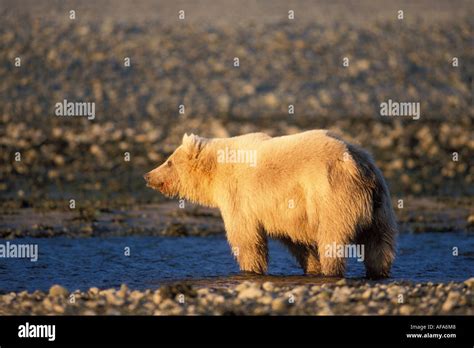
379,254
306,256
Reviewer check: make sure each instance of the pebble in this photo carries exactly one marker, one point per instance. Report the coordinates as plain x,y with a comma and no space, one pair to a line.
406,310
341,294
115,300
268,286
8,298
266,300
250,293
47,304
122,292
325,311
167,304
451,301
366,294
279,305
58,290
242,286
136,295
469,283
27,304
299,291
58,309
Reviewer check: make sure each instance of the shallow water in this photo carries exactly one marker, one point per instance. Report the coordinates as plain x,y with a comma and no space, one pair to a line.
88,262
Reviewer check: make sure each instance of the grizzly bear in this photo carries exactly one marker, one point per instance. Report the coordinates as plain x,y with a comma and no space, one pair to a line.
308,190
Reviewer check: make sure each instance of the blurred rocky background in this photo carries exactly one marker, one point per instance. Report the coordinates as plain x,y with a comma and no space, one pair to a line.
190,62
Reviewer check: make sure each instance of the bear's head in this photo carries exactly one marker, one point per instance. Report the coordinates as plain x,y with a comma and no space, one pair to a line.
177,175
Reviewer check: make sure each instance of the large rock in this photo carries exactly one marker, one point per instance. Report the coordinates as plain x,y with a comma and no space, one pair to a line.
58,290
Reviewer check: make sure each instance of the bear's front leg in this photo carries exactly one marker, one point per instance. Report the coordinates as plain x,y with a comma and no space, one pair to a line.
249,247
252,257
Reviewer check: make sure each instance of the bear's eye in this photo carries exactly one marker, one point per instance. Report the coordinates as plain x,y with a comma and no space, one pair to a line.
169,164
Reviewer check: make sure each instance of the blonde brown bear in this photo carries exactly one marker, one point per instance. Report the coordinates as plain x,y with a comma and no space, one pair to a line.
308,190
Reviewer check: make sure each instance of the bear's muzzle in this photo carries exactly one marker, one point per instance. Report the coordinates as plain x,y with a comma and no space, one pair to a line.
154,184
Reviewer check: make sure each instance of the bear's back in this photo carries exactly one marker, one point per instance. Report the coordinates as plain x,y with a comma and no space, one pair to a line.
314,146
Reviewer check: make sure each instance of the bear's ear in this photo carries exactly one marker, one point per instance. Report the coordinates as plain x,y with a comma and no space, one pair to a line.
188,139
193,144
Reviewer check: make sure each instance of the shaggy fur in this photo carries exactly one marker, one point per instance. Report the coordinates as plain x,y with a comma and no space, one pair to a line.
308,190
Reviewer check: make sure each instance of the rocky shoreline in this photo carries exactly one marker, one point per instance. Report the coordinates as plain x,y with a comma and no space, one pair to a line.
343,297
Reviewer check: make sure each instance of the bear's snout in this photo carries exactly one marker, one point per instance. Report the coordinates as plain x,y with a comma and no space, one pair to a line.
151,181
154,182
